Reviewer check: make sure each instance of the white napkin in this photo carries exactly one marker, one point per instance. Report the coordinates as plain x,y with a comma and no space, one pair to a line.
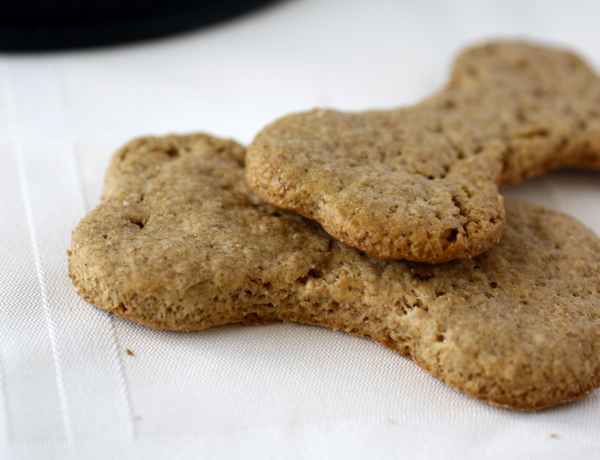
69,388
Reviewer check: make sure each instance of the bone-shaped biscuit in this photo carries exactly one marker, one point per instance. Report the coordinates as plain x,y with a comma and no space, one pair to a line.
421,183
179,242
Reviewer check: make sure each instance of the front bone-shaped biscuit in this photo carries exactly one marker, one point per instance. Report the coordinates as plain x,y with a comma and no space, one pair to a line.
421,183
179,242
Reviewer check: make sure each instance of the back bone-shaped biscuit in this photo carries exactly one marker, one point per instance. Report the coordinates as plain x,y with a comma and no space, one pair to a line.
421,183
179,242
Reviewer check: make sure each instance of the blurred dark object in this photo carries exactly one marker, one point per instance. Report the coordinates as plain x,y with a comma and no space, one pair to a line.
43,25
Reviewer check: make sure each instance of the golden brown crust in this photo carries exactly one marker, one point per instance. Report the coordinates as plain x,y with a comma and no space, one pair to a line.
179,242
421,183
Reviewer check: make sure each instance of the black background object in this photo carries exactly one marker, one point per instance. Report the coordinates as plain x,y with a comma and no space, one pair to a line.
45,25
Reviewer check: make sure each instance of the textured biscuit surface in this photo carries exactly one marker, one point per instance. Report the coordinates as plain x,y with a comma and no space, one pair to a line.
421,183
180,242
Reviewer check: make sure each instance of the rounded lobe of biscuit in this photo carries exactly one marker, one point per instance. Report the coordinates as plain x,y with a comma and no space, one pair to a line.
188,246
387,182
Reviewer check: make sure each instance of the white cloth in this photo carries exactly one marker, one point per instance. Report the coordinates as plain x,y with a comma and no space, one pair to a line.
69,389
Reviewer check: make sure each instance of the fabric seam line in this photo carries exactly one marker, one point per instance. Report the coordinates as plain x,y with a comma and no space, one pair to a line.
21,168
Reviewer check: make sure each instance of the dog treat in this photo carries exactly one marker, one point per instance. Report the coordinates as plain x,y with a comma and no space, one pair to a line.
179,242
421,183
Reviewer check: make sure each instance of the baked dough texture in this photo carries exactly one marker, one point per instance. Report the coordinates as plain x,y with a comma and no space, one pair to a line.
180,242
421,183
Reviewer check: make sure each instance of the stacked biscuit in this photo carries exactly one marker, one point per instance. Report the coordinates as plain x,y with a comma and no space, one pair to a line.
388,225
